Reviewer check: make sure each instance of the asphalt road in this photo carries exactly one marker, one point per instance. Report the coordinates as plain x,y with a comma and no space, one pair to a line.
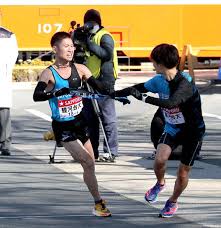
34,193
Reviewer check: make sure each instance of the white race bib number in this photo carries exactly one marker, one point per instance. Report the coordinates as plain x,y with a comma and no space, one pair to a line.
70,107
173,116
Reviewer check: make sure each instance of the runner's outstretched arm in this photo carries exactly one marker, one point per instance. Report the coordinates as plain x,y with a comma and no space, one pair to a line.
130,90
183,92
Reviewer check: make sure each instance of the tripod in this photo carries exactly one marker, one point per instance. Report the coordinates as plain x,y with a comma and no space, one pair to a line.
99,114
51,157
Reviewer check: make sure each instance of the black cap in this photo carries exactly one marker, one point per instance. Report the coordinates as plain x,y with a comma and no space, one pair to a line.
92,15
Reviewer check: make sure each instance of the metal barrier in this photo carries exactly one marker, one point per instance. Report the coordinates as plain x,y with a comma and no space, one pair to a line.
188,53
129,66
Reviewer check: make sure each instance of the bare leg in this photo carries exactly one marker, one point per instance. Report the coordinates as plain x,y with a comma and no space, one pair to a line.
85,156
181,181
162,155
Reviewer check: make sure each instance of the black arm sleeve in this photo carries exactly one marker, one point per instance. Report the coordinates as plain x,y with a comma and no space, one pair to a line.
101,87
105,50
127,91
40,94
140,87
123,92
181,95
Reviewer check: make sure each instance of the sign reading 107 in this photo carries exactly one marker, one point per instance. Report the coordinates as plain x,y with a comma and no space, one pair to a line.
48,28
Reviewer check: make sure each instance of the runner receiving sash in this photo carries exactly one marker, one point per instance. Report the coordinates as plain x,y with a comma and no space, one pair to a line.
69,127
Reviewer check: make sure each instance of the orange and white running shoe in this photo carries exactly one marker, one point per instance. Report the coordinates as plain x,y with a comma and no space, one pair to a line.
101,210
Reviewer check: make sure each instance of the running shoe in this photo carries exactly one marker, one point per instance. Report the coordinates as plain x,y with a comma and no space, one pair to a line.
152,194
169,209
101,210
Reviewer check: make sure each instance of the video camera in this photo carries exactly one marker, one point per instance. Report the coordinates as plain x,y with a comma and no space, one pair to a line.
80,36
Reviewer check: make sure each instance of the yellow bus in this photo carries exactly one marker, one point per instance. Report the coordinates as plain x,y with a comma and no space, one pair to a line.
135,27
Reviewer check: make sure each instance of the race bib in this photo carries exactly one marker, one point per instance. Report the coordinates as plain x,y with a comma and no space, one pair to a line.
173,116
70,107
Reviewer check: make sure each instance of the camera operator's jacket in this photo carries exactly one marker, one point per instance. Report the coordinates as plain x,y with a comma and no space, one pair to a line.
102,59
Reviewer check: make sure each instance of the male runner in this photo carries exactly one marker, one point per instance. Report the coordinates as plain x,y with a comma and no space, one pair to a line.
68,124
180,104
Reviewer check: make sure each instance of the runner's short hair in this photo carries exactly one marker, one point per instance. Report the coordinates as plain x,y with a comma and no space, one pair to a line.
58,37
165,54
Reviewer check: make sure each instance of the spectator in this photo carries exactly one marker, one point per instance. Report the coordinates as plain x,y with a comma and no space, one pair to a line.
8,57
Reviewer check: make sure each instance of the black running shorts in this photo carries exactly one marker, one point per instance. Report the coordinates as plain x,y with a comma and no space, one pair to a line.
190,141
72,130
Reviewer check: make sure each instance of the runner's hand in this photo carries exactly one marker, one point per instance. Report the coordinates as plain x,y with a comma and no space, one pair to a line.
138,95
135,93
62,91
121,93
124,100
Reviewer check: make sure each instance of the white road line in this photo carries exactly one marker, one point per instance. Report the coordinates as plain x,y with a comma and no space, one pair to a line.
212,115
110,183
39,114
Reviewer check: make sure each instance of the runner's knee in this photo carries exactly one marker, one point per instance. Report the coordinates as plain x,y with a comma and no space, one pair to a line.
88,164
159,161
183,171
162,154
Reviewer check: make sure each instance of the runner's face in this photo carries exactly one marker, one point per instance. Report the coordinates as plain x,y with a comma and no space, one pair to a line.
65,49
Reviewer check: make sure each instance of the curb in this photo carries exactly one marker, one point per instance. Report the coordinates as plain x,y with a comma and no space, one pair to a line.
23,85
121,80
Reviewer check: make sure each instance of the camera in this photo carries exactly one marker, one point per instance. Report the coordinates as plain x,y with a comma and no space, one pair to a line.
80,36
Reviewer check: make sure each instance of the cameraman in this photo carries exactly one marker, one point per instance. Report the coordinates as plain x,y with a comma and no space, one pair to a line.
102,62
